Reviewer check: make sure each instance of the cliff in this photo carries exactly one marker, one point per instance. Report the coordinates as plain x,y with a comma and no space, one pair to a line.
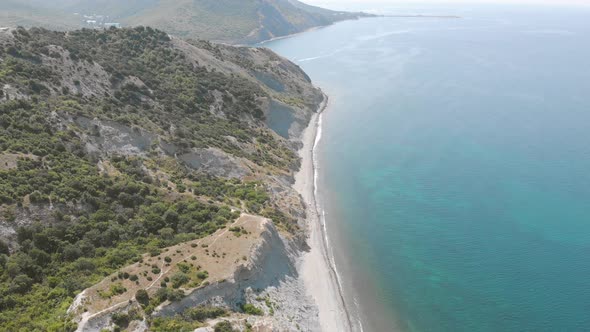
228,269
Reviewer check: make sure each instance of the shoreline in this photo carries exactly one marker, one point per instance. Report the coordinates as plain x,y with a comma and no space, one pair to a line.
317,269
261,43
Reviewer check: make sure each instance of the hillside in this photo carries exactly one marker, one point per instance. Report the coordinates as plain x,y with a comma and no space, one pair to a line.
119,143
231,21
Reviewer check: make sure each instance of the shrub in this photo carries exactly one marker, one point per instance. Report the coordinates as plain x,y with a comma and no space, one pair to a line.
179,279
142,297
183,267
21,284
202,275
120,319
201,313
224,326
250,309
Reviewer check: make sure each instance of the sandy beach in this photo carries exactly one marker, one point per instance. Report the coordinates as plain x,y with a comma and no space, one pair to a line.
316,268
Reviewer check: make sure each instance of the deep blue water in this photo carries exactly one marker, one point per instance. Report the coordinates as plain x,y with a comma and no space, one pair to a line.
455,166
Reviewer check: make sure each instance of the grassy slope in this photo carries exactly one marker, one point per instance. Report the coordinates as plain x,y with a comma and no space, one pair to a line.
217,20
235,21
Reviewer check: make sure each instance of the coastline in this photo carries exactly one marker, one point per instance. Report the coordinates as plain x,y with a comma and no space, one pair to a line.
261,43
316,267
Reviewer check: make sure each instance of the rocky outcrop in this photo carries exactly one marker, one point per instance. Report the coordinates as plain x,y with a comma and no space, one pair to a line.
270,274
268,280
109,137
215,162
270,264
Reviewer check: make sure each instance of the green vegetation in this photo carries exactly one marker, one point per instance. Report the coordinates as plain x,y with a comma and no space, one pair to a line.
179,279
122,320
189,320
172,324
224,326
202,313
100,221
180,89
270,306
250,309
238,231
95,219
142,297
114,290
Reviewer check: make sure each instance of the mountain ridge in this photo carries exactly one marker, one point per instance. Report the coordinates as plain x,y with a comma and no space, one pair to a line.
228,21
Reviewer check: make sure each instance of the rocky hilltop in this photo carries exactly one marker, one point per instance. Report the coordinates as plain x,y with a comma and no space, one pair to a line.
121,146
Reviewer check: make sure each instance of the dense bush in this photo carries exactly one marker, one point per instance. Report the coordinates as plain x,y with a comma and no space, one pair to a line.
224,326
202,313
142,297
250,309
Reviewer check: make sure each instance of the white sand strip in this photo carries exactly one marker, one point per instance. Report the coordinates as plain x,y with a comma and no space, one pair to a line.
316,267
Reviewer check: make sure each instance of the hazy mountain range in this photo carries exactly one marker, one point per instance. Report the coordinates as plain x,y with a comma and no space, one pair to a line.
232,21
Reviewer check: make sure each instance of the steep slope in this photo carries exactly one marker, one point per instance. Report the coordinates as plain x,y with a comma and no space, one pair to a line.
245,21
216,274
122,142
232,21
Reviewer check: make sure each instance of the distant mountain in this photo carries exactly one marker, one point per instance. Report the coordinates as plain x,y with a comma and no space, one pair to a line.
231,21
30,13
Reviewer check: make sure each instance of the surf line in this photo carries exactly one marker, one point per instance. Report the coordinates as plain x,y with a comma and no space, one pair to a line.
326,252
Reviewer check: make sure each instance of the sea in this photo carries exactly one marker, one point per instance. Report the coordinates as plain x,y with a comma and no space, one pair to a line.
454,164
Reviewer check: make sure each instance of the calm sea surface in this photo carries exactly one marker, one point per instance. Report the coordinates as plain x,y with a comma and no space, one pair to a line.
455,166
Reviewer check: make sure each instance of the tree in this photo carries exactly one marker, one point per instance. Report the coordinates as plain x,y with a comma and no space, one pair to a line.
4,248
142,297
71,253
224,326
21,263
179,279
21,284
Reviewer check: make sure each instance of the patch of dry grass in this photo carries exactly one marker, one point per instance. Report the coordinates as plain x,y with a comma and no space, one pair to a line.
186,266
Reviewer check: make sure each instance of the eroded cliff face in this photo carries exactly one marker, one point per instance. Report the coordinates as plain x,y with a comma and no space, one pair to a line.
259,269
270,277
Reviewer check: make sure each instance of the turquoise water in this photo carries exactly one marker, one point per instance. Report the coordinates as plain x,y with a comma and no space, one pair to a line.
455,166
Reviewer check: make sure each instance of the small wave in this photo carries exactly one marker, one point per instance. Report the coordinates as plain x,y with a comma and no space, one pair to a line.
319,56
383,35
311,59
550,32
322,218
358,319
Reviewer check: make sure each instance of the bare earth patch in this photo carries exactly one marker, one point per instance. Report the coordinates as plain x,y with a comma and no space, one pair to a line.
9,161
